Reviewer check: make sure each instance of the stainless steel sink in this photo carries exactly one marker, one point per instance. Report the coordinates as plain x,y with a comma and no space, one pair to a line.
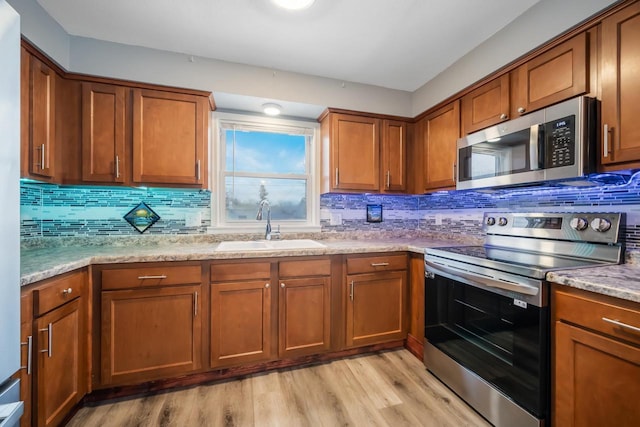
268,245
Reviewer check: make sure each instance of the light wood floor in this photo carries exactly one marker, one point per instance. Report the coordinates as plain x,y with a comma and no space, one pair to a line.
389,388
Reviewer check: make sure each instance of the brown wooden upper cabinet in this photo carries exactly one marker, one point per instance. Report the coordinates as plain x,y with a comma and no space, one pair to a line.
438,134
394,151
103,133
620,80
486,105
169,138
363,153
553,76
38,111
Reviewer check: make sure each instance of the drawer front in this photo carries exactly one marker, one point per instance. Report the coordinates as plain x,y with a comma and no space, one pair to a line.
57,292
127,278
376,263
301,268
601,316
240,271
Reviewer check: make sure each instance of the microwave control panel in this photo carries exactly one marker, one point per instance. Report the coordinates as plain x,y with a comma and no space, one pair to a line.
560,142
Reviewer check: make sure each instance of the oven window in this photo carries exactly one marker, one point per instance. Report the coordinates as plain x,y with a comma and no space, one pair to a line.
489,335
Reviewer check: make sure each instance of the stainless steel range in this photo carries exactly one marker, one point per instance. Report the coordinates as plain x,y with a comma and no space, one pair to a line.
486,307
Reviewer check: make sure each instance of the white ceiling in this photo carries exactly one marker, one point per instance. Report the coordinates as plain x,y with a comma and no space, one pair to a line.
396,44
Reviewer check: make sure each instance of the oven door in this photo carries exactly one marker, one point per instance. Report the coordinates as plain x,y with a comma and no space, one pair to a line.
497,336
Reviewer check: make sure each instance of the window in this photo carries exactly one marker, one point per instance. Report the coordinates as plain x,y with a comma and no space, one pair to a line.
265,159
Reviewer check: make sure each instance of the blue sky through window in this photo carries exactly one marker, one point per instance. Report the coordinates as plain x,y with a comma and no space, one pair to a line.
265,152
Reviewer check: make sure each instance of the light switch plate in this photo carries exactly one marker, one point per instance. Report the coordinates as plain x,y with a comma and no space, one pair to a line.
193,219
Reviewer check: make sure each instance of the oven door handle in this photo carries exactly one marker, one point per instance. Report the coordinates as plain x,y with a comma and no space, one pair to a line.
487,281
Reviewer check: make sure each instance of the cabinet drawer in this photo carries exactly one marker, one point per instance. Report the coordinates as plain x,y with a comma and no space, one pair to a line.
240,271
57,292
599,313
150,276
310,267
376,263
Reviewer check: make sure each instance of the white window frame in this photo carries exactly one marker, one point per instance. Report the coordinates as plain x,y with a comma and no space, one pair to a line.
219,224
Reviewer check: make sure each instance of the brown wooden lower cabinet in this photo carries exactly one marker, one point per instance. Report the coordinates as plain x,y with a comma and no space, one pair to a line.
376,301
596,378
150,333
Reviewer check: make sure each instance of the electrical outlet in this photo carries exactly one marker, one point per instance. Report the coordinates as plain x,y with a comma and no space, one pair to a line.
193,219
438,219
335,219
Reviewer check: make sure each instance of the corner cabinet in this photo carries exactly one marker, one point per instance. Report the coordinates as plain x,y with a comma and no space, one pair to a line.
621,89
376,293
169,138
151,324
438,135
596,378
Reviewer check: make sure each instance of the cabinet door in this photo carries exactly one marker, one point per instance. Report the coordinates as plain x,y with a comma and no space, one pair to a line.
42,82
597,379
150,333
441,131
355,150
26,356
486,105
240,322
60,355
551,77
103,132
621,86
169,138
304,316
376,308
394,155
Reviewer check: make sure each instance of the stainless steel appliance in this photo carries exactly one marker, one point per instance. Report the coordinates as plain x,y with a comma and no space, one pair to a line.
556,143
10,406
487,307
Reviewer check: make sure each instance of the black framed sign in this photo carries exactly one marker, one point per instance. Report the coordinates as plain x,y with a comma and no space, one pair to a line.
374,213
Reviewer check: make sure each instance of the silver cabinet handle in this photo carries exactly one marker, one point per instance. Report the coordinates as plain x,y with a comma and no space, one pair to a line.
117,167
161,276
503,116
195,304
605,141
622,325
49,350
267,285
282,285
337,182
454,173
521,110
388,179
67,291
379,264
29,345
42,156
198,169
351,291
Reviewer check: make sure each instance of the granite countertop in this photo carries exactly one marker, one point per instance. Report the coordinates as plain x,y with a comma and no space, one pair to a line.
39,263
620,281
42,263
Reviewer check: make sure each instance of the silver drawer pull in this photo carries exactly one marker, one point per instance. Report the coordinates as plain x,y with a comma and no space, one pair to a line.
622,325
67,291
29,345
161,276
379,264
49,330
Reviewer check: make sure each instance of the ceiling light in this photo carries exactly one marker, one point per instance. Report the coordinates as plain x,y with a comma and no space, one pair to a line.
293,4
271,109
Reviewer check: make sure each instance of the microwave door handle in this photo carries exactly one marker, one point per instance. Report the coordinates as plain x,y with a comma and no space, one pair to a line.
536,147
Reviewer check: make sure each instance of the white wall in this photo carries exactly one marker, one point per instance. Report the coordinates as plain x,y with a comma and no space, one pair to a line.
540,23
155,66
42,30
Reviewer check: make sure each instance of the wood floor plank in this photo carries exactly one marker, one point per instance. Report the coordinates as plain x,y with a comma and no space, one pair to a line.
383,389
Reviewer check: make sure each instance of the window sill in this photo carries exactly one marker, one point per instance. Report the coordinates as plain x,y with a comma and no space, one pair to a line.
284,229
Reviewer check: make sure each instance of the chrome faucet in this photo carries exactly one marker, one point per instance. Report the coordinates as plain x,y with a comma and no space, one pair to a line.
263,203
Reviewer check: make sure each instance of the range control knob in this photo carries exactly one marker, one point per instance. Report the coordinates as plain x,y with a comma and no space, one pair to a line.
601,224
491,220
579,223
502,221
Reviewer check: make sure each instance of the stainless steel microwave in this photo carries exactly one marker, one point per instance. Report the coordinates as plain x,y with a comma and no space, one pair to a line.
556,143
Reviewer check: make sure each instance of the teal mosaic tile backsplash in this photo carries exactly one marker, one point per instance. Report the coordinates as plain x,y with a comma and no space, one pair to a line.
52,210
